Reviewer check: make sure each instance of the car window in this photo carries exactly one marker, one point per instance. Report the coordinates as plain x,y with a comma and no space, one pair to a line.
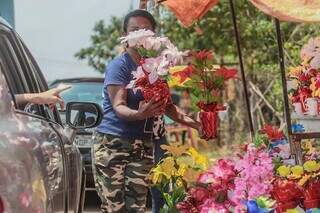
9,61
83,92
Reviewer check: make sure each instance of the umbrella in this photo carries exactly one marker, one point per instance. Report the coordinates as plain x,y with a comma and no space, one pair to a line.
290,10
189,11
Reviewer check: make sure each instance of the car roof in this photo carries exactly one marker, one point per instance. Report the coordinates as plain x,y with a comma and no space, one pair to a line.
5,23
78,80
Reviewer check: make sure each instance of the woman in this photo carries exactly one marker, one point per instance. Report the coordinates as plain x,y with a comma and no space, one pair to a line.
122,150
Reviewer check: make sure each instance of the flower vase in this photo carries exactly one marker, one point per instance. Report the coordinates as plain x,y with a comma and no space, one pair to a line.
209,120
287,194
312,195
298,108
312,105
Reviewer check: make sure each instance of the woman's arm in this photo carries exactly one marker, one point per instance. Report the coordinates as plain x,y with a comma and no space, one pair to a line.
176,114
118,97
51,96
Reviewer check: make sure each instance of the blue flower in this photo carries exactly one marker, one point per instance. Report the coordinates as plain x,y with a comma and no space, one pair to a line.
252,207
298,128
313,210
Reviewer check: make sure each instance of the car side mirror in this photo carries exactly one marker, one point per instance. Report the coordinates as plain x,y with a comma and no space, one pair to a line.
81,115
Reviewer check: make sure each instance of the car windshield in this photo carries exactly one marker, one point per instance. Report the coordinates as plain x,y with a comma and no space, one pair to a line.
83,92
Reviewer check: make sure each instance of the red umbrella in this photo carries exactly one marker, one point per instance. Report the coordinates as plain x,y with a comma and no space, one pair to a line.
189,11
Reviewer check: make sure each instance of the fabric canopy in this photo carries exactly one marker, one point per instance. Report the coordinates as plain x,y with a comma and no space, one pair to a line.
189,11
290,10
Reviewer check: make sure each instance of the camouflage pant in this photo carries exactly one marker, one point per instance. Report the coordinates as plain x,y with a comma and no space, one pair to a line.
120,170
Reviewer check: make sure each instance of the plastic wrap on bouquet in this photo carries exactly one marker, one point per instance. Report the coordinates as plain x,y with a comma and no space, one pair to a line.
158,90
312,195
209,119
287,194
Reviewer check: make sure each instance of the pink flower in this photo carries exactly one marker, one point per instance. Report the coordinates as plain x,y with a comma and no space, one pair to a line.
210,205
224,170
255,172
25,199
207,177
311,49
199,194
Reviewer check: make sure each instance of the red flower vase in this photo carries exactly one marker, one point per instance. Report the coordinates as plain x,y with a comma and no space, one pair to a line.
209,120
287,194
312,195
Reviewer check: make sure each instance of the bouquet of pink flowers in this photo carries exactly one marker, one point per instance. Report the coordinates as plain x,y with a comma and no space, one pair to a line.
158,54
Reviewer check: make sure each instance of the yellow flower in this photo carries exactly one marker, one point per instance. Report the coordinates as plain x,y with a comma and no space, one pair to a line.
292,211
179,182
295,71
311,166
284,171
303,180
297,171
198,158
156,175
168,167
39,189
191,175
182,169
175,149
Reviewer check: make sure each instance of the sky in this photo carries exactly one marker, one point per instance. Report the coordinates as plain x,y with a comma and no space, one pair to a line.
55,30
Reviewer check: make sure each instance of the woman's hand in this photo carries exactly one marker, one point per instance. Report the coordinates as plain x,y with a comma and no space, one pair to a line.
150,109
50,97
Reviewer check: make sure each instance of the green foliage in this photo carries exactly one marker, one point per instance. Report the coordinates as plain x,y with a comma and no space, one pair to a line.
104,41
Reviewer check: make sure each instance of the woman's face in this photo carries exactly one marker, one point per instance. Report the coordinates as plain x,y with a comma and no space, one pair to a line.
138,23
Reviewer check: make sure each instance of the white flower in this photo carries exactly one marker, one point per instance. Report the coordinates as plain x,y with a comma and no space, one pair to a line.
173,55
136,37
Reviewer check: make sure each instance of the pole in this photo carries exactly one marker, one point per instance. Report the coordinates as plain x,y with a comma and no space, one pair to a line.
243,76
143,4
295,146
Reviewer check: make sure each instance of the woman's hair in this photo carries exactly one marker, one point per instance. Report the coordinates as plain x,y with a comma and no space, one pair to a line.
138,13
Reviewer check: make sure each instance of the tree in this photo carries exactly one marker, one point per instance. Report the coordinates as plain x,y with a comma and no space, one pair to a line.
104,43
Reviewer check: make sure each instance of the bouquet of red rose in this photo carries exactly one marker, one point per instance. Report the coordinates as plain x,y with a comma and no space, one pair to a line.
206,82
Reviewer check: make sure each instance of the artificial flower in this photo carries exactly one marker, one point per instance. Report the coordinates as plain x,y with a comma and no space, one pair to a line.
226,73
203,55
191,175
304,179
273,133
292,211
284,171
311,166
297,172
136,37
175,149
156,174
198,158
168,167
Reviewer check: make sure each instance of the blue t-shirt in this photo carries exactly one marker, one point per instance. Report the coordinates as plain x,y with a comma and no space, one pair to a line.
118,72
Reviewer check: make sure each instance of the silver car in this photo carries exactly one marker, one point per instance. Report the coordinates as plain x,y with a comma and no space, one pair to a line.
41,169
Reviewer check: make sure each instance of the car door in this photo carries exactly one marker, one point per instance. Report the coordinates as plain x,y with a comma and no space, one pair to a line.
73,159
50,152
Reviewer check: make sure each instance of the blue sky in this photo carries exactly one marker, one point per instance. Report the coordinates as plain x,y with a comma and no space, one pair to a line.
55,30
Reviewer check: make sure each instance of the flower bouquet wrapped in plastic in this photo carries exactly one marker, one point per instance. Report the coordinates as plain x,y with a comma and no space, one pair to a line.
158,54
